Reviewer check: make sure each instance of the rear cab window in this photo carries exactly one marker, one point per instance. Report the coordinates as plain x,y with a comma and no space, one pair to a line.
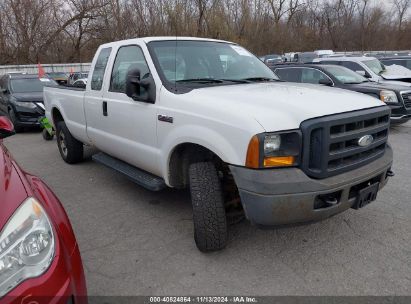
100,69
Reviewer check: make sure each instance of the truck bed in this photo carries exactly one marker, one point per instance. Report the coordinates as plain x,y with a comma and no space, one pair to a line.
70,102
66,87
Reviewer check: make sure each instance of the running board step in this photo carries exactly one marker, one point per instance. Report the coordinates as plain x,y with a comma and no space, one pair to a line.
140,177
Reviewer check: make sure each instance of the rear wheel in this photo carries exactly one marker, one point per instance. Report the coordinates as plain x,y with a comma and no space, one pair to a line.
46,135
209,216
71,150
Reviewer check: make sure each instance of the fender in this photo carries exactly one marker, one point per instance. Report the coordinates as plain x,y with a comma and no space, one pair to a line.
184,134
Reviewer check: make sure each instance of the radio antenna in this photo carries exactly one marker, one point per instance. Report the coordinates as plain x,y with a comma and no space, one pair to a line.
175,60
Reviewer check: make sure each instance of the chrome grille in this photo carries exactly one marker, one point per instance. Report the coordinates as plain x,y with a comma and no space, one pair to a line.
406,97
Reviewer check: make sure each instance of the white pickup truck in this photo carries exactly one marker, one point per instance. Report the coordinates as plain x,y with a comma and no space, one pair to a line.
372,68
209,116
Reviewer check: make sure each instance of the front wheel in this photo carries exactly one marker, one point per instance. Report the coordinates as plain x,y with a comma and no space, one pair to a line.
71,150
14,120
210,222
46,135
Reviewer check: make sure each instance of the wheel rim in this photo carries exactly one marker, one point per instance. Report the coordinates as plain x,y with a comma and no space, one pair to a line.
12,117
62,144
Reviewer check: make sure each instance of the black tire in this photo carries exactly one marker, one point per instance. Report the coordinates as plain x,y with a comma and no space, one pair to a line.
46,135
14,120
71,150
210,222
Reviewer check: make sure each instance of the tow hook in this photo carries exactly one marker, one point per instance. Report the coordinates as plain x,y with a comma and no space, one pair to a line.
390,173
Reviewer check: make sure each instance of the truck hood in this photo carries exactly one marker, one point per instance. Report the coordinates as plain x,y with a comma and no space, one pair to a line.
397,82
33,96
281,105
396,72
378,86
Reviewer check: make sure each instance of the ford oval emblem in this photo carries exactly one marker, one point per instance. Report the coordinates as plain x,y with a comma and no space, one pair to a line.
366,140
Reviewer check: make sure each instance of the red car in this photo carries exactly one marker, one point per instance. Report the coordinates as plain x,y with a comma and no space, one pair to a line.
39,257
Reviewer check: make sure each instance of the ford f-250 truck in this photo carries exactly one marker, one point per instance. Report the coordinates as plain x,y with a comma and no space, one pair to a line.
210,116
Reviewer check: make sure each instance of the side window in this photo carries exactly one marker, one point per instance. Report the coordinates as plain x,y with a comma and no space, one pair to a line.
390,61
404,63
99,69
3,83
127,56
312,76
353,66
291,75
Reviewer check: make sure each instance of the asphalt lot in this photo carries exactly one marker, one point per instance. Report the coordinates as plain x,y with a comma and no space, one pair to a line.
134,242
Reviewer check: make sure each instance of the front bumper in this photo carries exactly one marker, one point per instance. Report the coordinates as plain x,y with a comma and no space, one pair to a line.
63,283
399,119
400,114
288,196
27,117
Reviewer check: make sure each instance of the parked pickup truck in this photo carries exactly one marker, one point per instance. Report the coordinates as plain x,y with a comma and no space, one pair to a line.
209,116
371,68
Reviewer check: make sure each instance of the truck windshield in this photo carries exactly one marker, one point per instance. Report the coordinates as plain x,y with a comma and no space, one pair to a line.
207,62
27,85
375,65
345,75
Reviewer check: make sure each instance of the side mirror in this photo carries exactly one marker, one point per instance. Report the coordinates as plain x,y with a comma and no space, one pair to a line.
6,127
4,91
80,85
326,82
138,89
363,74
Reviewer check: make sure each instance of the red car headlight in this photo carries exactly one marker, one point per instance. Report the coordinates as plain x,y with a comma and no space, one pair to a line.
27,245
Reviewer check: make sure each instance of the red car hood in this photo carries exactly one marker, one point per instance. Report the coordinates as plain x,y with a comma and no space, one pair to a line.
12,190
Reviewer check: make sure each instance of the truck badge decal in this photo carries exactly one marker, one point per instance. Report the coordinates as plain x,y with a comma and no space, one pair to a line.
165,118
366,140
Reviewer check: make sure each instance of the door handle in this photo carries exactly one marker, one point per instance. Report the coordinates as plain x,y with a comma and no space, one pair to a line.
105,108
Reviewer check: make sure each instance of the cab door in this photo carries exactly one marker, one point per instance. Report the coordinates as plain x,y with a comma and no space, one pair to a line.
93,97
129,127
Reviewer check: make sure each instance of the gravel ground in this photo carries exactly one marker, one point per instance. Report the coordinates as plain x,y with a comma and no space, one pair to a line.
134,242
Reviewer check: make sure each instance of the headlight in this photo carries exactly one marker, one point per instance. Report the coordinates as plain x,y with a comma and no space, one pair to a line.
26,246
25,104
272,144
388,97
274,150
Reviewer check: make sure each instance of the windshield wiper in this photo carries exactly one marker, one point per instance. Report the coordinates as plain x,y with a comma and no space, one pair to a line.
260,79
237,80
213,80
204,80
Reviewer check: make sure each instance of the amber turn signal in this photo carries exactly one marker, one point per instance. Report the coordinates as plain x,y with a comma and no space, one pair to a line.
280,161
253,153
